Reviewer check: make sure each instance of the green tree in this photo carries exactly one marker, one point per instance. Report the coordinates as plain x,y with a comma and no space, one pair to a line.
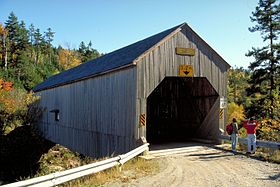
29,75
49,38
23,41
31,33
87,52
19,42
237,85
38,44
12,26
264,82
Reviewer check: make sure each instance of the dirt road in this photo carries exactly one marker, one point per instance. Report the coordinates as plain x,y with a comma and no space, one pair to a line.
200,165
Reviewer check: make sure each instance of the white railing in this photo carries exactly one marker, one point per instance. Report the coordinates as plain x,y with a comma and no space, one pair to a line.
260,143
67,175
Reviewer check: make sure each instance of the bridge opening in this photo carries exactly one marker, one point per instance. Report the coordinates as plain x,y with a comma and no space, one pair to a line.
177,108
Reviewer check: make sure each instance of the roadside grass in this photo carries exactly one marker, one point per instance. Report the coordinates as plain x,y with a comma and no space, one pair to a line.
264,154
267,154
59,158
133,169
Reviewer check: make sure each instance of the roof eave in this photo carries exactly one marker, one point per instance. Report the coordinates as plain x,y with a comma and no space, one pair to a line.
87,77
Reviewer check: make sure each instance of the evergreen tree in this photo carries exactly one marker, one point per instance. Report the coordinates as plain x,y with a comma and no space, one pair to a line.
87,52
23,41
265,69
49,38
38,45
31,34
12,26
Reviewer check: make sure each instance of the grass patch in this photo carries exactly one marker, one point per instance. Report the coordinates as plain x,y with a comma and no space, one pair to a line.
270,155
131,170
262,153
59,158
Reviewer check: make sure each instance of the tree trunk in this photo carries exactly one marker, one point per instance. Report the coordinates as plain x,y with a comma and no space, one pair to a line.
6,53
234,90
271,78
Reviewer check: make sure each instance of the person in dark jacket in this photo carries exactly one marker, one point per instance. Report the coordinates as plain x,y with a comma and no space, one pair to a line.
234,135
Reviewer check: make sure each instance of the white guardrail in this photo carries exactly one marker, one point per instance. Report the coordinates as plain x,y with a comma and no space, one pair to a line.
260,143
67,175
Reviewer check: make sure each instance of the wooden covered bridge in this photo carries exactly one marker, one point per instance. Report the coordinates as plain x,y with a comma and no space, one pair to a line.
167,87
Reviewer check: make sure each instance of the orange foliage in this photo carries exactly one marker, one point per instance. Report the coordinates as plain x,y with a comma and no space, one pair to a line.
68,58
3,31
6,101
5,86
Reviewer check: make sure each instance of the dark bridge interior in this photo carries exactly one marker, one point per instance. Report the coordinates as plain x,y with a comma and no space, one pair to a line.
177,108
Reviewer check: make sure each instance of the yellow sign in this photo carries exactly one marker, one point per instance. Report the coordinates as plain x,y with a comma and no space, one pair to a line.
142,119
185,51
186,71
221,113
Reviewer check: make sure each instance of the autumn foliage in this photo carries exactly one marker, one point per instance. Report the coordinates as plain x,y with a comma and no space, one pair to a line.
68,58
235,111
14,106
5,86
6,102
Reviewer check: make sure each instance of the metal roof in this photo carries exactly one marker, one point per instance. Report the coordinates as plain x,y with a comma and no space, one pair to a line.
116,59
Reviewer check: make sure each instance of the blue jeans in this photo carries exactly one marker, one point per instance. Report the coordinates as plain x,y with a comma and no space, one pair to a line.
251,143
234,141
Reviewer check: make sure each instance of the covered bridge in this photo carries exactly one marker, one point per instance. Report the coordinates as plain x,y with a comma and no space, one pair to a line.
166,87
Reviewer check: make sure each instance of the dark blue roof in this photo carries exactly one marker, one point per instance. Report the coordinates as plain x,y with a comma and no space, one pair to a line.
113,60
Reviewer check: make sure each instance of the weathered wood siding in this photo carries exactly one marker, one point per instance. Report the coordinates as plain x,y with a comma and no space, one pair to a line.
97,115
163,61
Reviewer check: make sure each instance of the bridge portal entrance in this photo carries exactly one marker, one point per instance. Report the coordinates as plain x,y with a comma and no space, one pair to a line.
177,108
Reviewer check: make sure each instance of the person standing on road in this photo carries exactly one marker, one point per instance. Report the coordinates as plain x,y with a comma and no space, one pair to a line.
251,126
234,135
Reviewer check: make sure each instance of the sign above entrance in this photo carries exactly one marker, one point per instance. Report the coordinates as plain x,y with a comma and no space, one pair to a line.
186,71
185,51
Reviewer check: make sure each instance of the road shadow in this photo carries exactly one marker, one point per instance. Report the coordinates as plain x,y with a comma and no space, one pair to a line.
174,145
20,151
272,178
208,157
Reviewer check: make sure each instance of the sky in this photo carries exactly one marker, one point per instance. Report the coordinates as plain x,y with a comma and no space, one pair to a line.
112,24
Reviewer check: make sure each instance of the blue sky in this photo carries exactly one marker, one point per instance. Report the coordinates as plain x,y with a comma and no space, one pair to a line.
112,24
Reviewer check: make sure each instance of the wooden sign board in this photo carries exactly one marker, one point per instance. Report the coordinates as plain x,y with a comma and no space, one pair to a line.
186,71
185,51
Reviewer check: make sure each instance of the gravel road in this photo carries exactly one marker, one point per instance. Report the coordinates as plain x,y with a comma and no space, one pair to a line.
201,165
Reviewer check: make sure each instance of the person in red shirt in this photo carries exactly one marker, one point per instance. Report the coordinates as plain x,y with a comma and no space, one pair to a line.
251,126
